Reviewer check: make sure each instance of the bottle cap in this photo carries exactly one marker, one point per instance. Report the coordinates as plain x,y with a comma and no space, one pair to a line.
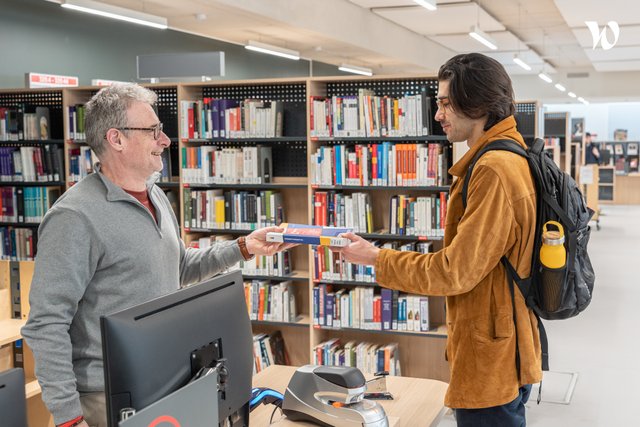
552,238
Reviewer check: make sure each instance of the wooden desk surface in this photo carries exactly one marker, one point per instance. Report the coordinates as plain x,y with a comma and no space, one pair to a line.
417,401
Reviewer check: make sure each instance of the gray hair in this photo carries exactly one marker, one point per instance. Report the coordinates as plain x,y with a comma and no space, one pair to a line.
108,109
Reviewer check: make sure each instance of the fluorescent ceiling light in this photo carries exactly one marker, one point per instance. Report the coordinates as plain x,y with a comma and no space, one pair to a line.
584,101
544,77
521,63
427,4
482,37
272,50
115,12
571,94
560,87
347,68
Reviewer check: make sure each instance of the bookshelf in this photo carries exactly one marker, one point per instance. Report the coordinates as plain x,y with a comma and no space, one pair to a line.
421,353
14,303
288,179
529,120
557,133
32,172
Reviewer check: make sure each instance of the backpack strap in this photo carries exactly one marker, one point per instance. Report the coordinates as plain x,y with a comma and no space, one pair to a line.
524,285
501,144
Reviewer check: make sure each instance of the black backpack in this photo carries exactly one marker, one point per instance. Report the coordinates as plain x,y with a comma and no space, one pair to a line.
559,293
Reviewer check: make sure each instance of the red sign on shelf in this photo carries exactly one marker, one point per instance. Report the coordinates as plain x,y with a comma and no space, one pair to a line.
39,80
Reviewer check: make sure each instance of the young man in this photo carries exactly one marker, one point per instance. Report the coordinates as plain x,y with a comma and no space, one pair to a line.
475,104
112,241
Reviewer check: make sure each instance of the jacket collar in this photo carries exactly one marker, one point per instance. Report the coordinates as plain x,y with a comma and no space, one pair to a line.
115,192
504,129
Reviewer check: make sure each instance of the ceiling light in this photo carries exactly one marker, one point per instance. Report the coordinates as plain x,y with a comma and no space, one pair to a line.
347,68
427,4
560,87
571,94
115,12
544,77
584,101
521,63
482,37
273,50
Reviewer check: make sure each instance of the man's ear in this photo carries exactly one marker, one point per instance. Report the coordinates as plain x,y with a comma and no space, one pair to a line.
113,139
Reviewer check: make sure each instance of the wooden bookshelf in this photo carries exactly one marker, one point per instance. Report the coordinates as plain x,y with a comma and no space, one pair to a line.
422,354
37,413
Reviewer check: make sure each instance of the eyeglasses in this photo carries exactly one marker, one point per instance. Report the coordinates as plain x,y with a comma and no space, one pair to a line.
156,129
443,104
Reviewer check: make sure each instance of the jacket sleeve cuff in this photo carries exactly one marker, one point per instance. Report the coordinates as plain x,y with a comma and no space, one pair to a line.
66,411
380,267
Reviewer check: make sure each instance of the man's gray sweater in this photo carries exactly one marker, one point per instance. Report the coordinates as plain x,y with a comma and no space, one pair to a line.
100,251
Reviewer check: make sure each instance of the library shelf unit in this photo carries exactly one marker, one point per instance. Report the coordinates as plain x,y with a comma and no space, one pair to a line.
557,135
421,353
14,302
289,179
529,119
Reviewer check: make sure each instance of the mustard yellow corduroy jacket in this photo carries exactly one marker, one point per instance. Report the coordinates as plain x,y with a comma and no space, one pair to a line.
499,220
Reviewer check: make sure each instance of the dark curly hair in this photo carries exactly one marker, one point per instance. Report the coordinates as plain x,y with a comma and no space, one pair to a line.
478,86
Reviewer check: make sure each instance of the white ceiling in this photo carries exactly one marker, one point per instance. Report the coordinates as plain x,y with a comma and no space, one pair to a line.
398,36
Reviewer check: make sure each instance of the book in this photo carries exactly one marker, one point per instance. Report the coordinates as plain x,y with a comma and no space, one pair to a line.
310,234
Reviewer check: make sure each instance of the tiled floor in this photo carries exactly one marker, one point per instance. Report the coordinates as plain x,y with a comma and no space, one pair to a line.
602,344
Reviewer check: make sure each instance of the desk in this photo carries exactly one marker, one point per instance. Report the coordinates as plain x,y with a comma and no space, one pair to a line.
417,401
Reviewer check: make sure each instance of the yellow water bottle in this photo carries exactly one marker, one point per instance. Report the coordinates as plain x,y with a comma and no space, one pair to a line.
552,253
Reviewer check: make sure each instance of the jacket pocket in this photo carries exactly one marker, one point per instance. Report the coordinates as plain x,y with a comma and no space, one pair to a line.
494,350
498,328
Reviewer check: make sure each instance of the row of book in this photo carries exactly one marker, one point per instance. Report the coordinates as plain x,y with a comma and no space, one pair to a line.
370,115
243,210
81,161
229,118
384,164
26,204
363,308
75,114
279,264
31,164
215,165
271,302
329,265
24,122
18,244
411,216
369,358
343,210
269,350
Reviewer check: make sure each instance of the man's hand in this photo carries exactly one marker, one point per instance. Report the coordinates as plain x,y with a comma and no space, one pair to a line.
359,251
257,242
83,424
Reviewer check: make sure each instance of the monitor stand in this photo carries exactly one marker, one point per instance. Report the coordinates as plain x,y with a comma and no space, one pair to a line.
195,404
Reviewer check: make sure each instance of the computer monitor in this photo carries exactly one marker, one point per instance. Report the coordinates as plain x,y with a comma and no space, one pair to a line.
155,348
13,405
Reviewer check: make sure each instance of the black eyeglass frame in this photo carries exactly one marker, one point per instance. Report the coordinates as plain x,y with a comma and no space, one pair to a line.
156,129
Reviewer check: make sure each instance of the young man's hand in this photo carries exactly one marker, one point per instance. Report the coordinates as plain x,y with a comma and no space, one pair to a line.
257,242
359,251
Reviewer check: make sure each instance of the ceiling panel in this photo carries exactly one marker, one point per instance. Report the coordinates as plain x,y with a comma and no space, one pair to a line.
464,43
629,36
575,12
617,66
615,54
448,19
370,4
